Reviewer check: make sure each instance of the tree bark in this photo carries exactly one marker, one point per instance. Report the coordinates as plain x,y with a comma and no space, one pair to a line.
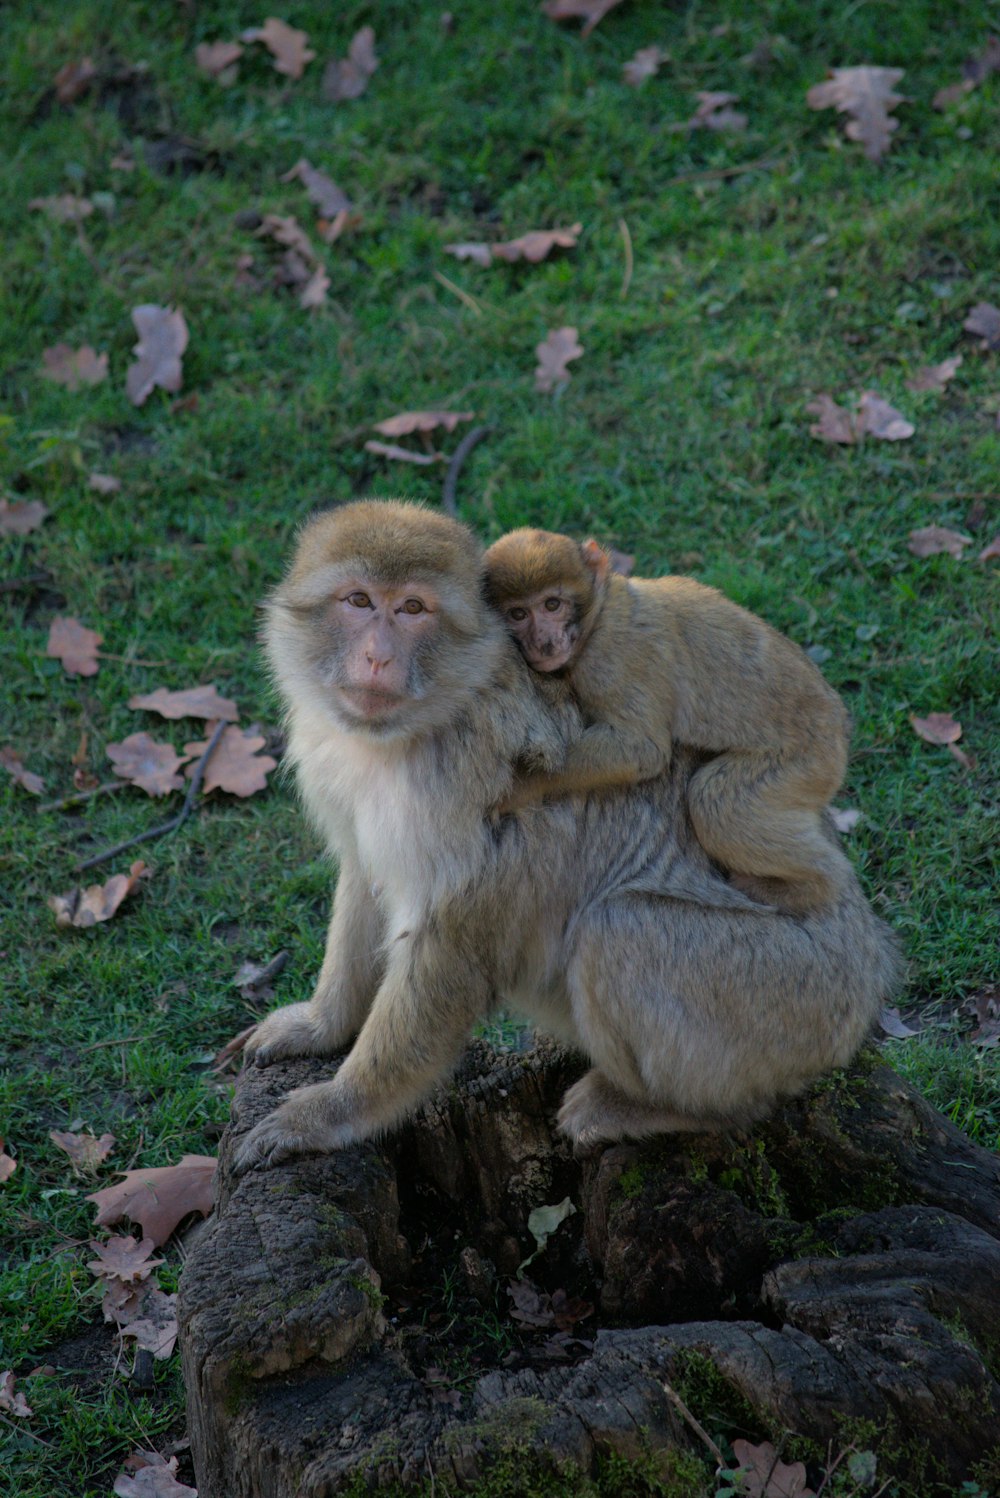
833,1275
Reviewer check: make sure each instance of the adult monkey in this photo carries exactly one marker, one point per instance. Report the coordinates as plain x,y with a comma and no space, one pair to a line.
409,709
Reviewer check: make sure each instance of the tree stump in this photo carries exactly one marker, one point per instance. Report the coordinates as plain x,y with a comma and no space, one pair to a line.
833,1277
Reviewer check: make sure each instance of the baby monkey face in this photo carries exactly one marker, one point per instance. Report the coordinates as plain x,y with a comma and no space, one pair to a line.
546,625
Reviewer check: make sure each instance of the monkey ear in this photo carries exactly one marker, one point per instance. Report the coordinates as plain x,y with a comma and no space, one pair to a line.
596,561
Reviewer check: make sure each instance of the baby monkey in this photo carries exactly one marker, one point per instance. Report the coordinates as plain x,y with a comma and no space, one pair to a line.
653,660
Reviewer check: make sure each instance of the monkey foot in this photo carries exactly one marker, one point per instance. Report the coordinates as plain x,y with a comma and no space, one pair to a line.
287,1034
272,1143
594,1112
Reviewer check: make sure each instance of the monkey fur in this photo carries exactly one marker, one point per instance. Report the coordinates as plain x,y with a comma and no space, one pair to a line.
651,662
404,741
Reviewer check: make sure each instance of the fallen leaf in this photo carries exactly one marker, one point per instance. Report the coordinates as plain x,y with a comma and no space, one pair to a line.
155,1328
531,1306
286,45
158,1199
537,244
99,902
163,337
866,95
153,1479
935,376
566,1311
235,765
477,251
764,1476
192,702
320,189
84,1150
10,1400
124,161
124,1259
974,71
991,552
845,820
984,320
967,761
554,354
253,979
73,80
27,779
891,1022
937,728
348,77
643,65
143,762
420,421
715,112
931,539
403,454
74,645
104,483
877,418
835,423
22,517
214,58
330,230
590,12
289,232
64,207
232,1049
292,270
8,1164
74,367
315,290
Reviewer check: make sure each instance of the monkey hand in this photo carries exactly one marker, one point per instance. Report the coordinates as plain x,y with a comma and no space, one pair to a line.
313,1120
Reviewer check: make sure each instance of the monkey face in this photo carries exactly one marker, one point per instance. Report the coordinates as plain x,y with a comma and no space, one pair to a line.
376,636
546,626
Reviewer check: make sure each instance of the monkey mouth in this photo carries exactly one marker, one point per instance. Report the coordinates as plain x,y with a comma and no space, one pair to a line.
372,702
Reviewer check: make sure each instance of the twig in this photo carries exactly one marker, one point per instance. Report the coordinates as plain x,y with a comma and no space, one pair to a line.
100,1044
463,296
686,1415
128,660
23,1431
458,457
99,790
164,827
627,241
763,163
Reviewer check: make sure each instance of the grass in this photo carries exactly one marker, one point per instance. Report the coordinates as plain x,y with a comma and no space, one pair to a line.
682,437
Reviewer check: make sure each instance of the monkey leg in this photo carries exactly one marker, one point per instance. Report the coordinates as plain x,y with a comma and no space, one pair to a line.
594,1111
434,988
763,821
347,983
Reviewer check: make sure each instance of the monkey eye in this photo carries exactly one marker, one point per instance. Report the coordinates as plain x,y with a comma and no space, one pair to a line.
552,604
413,606
517,613
359,600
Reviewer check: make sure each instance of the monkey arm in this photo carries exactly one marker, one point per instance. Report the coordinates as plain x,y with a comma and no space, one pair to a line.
603,758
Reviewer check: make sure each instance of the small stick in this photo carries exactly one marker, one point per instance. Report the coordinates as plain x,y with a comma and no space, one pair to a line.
686,1415
458,457
128,660
463,296
763,163
627,240
14,584
99,790
100,1044
164,827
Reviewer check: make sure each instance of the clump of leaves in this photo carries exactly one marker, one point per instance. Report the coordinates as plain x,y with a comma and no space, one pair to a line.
873,418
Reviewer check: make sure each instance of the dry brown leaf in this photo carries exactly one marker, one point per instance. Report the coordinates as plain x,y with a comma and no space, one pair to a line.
291,270
643,65
73,80
537,244
891,1022
8,1164
420,421
143,762
330,230
348,77
286,45
98,902
320,189
931,539
715,112
155,1328
10,1401
767,1477
158,1199
235,765
315,290
935,376
104,483
22,517
123,1259
74,367
554,354
163,337
835,423
846,819
65,207
477,251
991,552
289,232
876,418
974,70
153,1478
984,321
937,728
866,95
590,12
74,645
218,58
84,1150
232,1048
192,702
27,779
403,454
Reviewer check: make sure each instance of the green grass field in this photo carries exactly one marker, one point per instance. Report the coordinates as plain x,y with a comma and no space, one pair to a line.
768,266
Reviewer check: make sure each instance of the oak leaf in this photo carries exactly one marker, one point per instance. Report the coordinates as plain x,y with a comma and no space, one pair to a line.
286,45
643,65
73,79
845,819
931,539
8,1164
320,189
75,645
476,251
537,244
874,418
348,77
74,367
554,354
10,1400
163,337
27,779
192,702
123,1259
590,12
104,483
991,552
22,517
151,1476
235,765
98,902
143,762
216,58
984,321
315,290
865,94
64,207
835,423
403,454
289,232
935,376
764,1476
937,728
155,1328
715,112
420,421
84,1150
159,1198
